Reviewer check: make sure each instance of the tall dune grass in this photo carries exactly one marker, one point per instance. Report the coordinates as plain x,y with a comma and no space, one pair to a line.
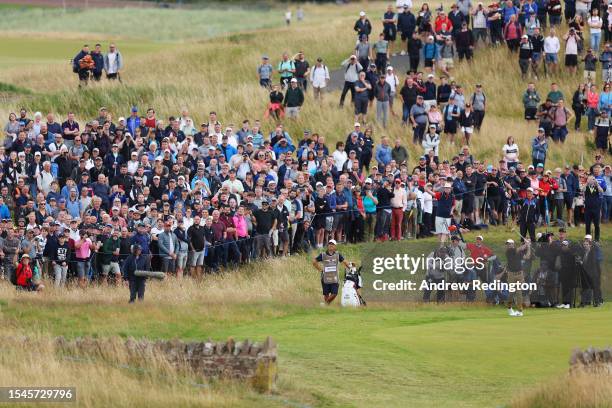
109,382
575,391
220,75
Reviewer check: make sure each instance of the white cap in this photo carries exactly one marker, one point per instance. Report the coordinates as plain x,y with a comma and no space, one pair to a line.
362,13
389,68
509,241
530,189
332,242
588,236
368,180
479,237
538,235
357,124
524,36
319,184
121,118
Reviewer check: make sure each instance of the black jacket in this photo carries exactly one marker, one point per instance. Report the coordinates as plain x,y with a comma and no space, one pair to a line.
133,264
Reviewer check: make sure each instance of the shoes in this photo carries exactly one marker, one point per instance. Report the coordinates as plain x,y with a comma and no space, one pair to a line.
403,53
511,312
563,306
518,313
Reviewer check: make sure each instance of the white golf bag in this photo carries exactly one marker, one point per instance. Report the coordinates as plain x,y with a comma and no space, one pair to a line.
352,282
350,298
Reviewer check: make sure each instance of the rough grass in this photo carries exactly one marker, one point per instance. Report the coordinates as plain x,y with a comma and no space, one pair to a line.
189,76
584,390
452,355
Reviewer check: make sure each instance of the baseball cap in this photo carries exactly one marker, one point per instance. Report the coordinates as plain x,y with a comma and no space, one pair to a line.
588,236
357,124
332,242
479,237
362,13
530,189
134,109
293,80
368,180
509,241
448,185
541,130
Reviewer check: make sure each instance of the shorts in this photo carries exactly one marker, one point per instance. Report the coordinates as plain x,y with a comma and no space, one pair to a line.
283,236
468,205
494,202
468,129
82,268
197,258
329,288
450,126
442,225
429,62
535,56
112,268
361,106
530,113
571,60
406,35
448,63
390,35
551,58
478,202
181,260
569,202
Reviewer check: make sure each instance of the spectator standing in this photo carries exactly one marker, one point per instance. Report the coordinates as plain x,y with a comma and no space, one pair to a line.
83,64
294,99
382,92
551,51
98,60
539,148
319,78
352,68
113,63
363,26
406,25
286,69
302,69
362,89
479,106
390,27
264,72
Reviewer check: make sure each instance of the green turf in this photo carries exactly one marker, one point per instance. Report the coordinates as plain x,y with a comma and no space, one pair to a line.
145,23
40,51
423,356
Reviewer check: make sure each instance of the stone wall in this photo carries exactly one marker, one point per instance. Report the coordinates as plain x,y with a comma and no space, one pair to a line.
247,361
591,361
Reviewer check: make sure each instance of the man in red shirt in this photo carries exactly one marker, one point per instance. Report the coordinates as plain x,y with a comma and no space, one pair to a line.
480,254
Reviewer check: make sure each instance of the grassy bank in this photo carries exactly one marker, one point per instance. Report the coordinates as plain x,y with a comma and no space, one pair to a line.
189,75
390,353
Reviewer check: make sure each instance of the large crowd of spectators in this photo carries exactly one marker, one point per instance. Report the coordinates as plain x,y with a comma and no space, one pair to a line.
197,196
